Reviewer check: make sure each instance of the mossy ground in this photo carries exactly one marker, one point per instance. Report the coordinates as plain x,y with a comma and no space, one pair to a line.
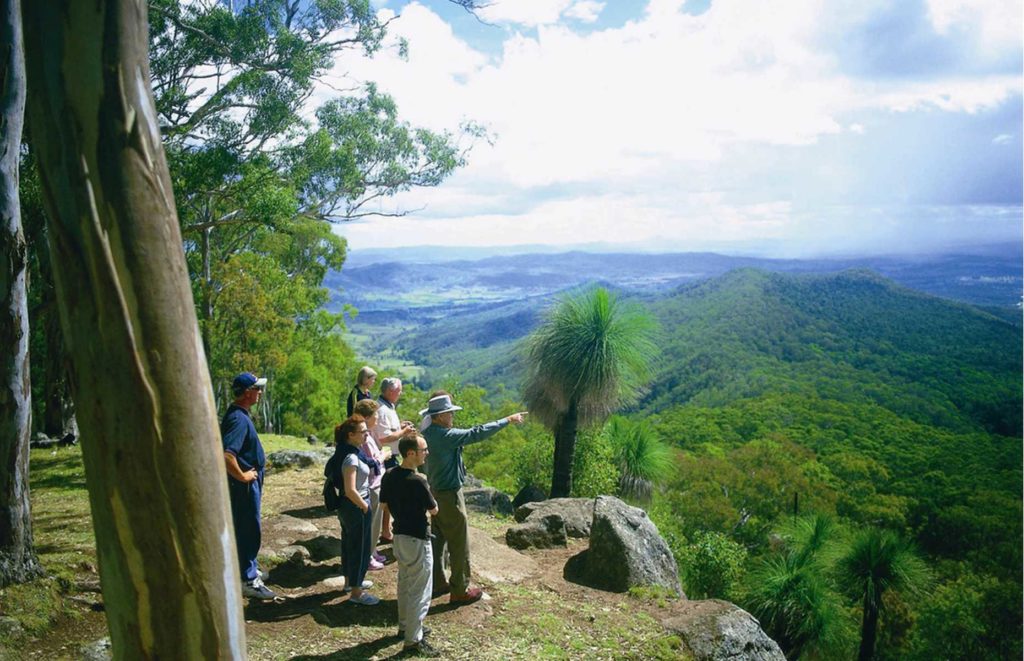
544,617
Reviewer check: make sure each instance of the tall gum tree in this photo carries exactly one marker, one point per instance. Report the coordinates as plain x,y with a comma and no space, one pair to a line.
17,558
150,441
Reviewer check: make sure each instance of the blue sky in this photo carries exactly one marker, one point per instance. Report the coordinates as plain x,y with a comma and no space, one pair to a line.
801,127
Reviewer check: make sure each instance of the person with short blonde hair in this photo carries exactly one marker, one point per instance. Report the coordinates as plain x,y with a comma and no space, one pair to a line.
364,383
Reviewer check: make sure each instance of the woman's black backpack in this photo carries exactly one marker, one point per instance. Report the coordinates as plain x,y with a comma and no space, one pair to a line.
332,499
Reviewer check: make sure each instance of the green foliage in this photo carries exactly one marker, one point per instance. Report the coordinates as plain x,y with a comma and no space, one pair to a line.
642,458
584,361
712,566
591,351
791,594
877,562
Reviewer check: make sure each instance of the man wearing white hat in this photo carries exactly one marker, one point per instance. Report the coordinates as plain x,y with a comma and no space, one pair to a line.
446,473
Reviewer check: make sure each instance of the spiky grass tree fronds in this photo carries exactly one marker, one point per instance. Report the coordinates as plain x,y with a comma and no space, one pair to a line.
791,595
642,458
878,561
585,361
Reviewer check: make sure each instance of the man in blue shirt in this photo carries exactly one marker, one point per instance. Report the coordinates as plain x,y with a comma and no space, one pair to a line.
245,460
447,472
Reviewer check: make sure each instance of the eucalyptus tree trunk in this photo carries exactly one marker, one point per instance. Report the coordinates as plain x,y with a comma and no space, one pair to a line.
150,440
565,450
17,558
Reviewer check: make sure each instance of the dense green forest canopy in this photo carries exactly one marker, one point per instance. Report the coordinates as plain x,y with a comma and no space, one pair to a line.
845,395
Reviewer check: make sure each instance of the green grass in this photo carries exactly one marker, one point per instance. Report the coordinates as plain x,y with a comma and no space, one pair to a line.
278,442
64,544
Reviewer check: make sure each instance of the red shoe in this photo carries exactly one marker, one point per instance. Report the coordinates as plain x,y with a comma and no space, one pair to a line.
472,594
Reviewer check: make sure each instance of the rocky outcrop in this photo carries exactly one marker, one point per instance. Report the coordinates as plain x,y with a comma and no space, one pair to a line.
487,500
625,551
538,532
577,513
528,494
297,458
715,630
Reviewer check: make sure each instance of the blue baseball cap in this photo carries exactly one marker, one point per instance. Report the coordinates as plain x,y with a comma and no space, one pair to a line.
247,380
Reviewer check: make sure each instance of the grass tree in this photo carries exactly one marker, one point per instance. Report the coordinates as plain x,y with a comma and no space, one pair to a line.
791,595
876,562
585,361
641,457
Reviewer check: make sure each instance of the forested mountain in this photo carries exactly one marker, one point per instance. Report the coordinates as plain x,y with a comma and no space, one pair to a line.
852,336
841,394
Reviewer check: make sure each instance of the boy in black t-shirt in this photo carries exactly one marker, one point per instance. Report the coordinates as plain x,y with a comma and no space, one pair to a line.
405,494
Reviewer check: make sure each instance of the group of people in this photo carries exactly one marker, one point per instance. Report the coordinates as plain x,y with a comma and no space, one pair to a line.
386,499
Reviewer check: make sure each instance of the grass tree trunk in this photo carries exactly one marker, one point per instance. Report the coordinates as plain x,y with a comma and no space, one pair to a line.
565,450
17,558
869,630
150,440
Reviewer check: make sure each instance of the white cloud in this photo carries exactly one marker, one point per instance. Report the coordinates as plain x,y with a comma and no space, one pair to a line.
657,104
587,11
530,13
1003,139
997,23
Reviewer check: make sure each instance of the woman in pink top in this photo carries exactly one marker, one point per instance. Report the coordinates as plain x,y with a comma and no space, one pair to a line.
371,448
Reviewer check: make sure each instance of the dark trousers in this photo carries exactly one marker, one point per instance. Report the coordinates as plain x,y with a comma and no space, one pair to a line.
355,542
245,513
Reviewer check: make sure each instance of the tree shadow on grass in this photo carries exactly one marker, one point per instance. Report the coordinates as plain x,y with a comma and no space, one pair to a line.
302,576
314,512
344,614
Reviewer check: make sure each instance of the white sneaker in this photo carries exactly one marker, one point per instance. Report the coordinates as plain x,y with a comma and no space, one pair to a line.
255,589
365,599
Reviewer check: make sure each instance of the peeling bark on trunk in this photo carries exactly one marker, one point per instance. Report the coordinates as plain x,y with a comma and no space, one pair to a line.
150,440
18,561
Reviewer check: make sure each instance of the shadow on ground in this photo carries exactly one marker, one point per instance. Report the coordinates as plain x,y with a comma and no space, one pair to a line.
302,576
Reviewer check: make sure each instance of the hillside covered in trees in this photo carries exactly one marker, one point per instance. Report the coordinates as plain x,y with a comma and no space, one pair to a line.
842,395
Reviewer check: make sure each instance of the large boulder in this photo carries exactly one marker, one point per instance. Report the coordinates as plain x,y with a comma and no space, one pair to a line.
715,630
295,458
539,532
528,494
625,551
577,513
487,500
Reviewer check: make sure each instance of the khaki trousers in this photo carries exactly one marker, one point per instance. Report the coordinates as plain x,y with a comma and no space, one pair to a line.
414,585
451,528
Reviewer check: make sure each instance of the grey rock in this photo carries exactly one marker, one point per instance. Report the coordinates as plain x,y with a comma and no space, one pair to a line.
296,525
578,513
539,532
472,482
528,494
295,458
296,555
312,439
625,551
322,547
487,500
10,627
715,630
97,651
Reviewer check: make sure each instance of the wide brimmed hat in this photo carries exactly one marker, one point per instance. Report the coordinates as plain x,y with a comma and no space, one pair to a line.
440,404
